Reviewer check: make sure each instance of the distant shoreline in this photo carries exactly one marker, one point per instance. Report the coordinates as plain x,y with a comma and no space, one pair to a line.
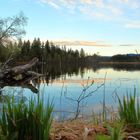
99,62
121,63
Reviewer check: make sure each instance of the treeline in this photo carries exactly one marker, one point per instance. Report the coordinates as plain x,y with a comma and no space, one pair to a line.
48,52
45,51
96,59
126,58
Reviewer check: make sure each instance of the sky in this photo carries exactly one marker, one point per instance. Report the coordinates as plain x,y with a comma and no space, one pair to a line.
106,27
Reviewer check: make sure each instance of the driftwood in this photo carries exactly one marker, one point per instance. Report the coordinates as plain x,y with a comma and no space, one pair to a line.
23,68
18,75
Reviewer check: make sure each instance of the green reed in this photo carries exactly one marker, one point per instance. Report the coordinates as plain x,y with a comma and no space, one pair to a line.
129,109
115,132
30,121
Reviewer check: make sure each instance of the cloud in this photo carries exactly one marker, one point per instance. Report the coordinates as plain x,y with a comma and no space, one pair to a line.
134,4
115,10
54,5
128,45
81,43
133,25
50,2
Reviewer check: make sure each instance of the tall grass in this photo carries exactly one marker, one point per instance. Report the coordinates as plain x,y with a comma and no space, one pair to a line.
115,132
26,121
129,109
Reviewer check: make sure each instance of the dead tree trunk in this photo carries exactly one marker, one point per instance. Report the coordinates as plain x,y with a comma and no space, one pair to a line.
18,75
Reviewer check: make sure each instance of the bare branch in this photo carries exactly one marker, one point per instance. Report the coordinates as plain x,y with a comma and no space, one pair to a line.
83,95
12,27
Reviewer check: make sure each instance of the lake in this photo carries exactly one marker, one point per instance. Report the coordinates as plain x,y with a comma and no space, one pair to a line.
89,86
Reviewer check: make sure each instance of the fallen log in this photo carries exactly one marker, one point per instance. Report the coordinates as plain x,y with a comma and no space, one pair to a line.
23,68
19,75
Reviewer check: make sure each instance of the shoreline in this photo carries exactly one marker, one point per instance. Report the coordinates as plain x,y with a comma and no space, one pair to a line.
120,63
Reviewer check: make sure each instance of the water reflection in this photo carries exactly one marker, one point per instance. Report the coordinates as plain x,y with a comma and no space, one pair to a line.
59,80
52,73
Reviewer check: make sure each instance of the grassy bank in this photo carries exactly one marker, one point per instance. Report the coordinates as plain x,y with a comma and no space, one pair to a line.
34,121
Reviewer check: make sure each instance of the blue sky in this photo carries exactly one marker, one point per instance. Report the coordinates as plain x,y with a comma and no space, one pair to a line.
105,26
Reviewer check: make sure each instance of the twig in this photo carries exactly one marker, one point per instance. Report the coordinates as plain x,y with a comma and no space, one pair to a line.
86,133
83,96
7,61
131,137
134,133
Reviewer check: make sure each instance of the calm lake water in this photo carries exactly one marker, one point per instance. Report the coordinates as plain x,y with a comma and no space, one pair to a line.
65,90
